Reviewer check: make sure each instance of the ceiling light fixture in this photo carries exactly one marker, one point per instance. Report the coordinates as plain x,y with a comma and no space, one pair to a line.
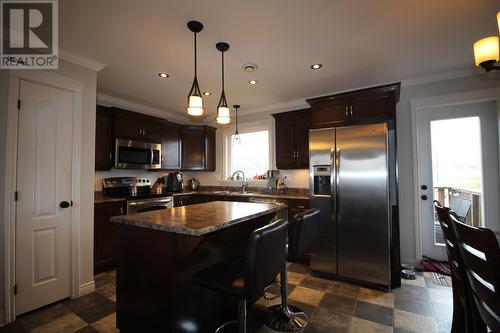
252,82
207,93
249,67
223,117
486,51
316,66
195,101
236,136
163,75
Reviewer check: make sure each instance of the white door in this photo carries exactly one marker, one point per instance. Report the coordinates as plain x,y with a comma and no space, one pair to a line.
43,184
457,166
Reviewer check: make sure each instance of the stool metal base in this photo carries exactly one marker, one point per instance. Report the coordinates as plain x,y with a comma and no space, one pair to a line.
287,319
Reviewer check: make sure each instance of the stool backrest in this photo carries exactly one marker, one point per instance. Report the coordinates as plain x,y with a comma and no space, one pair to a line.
302,233
481,256
265,257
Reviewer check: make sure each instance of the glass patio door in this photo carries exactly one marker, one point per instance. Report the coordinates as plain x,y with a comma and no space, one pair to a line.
454,167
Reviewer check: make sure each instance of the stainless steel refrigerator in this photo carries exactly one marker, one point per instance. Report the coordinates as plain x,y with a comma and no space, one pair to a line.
353,183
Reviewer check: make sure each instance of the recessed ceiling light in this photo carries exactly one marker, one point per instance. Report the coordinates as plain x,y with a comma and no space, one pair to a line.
207,93
163,75
249,67
316,66
252,82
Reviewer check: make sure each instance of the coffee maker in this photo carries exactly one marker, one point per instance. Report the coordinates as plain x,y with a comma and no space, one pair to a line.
174,182
272,179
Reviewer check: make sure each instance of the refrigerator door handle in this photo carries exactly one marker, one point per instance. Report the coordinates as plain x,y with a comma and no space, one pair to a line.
337,181
332,182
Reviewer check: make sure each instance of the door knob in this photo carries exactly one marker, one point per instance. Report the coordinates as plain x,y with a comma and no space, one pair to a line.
423,187
64,204
423,197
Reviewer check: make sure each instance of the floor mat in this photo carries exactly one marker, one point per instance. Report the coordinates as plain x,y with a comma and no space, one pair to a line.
440,279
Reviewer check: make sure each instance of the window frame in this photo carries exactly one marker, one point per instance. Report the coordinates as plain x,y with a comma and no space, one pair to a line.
265,125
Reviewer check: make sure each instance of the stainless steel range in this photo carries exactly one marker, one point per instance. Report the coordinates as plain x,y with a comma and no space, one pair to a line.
137,191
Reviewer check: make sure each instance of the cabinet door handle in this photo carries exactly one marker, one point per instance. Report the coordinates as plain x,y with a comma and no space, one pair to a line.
110,156
297,154
121,210
350,107
347,111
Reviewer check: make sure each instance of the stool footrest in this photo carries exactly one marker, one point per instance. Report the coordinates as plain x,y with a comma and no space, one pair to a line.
287,319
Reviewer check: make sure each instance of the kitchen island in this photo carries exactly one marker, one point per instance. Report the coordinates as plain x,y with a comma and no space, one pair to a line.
160,251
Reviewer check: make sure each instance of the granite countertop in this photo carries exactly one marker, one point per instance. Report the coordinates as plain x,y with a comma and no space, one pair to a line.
199,219
99,197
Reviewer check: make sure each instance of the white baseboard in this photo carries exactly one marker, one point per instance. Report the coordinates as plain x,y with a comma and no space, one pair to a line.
413,261
86,288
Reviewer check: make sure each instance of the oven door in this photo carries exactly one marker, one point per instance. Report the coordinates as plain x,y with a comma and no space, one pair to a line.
147,205
137,155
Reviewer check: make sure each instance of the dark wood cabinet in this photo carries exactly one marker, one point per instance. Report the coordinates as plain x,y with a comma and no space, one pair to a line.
103,139
292,139
183,147
183,200
210,148
357,107
198,148
105,233
171,146
135,126
296,206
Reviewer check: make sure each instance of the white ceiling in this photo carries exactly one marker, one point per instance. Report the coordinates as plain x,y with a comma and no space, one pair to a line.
359,43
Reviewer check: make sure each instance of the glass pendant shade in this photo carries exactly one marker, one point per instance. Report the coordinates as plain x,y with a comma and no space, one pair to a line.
486,50
236,135
195,106
223,117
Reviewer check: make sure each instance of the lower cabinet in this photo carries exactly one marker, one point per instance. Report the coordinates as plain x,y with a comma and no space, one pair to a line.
296,206
105,233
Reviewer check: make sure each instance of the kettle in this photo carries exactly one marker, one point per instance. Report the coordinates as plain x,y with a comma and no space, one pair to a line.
193,184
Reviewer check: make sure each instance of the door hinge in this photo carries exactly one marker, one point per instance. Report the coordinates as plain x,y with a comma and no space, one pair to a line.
15,289
19,104
16,196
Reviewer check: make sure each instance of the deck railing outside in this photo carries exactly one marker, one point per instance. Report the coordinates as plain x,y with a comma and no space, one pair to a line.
445,194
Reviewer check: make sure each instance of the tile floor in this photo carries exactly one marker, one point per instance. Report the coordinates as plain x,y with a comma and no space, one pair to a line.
333,306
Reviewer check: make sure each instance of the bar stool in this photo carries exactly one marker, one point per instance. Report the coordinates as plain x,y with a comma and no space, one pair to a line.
302,234
246,278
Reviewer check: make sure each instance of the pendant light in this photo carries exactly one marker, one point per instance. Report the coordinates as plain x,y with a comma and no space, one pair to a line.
223,117
195,101
236,136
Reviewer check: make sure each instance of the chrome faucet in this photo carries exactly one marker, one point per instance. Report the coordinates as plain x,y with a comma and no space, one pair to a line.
244,183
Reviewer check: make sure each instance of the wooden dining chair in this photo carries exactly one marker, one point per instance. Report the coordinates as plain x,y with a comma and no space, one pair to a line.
465,315
480,254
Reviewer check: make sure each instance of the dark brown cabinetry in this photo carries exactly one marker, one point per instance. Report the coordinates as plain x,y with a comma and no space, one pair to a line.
171,135
135,126
105,233
292,139
357,107
103,139
198,148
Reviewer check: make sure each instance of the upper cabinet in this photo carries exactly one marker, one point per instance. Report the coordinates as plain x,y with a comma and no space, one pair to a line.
356,107
198,148
103,139
136,126
171,147
182,147
292,139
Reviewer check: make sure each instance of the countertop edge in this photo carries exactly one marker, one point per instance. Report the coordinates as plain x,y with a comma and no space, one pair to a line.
125,219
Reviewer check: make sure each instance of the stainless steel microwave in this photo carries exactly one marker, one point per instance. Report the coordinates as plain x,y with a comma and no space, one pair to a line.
137,155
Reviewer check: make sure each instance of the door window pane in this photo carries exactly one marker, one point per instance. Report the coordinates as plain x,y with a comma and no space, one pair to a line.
457,169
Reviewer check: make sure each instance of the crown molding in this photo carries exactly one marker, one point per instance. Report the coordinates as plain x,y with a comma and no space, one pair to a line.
442,76
108,100
80,60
